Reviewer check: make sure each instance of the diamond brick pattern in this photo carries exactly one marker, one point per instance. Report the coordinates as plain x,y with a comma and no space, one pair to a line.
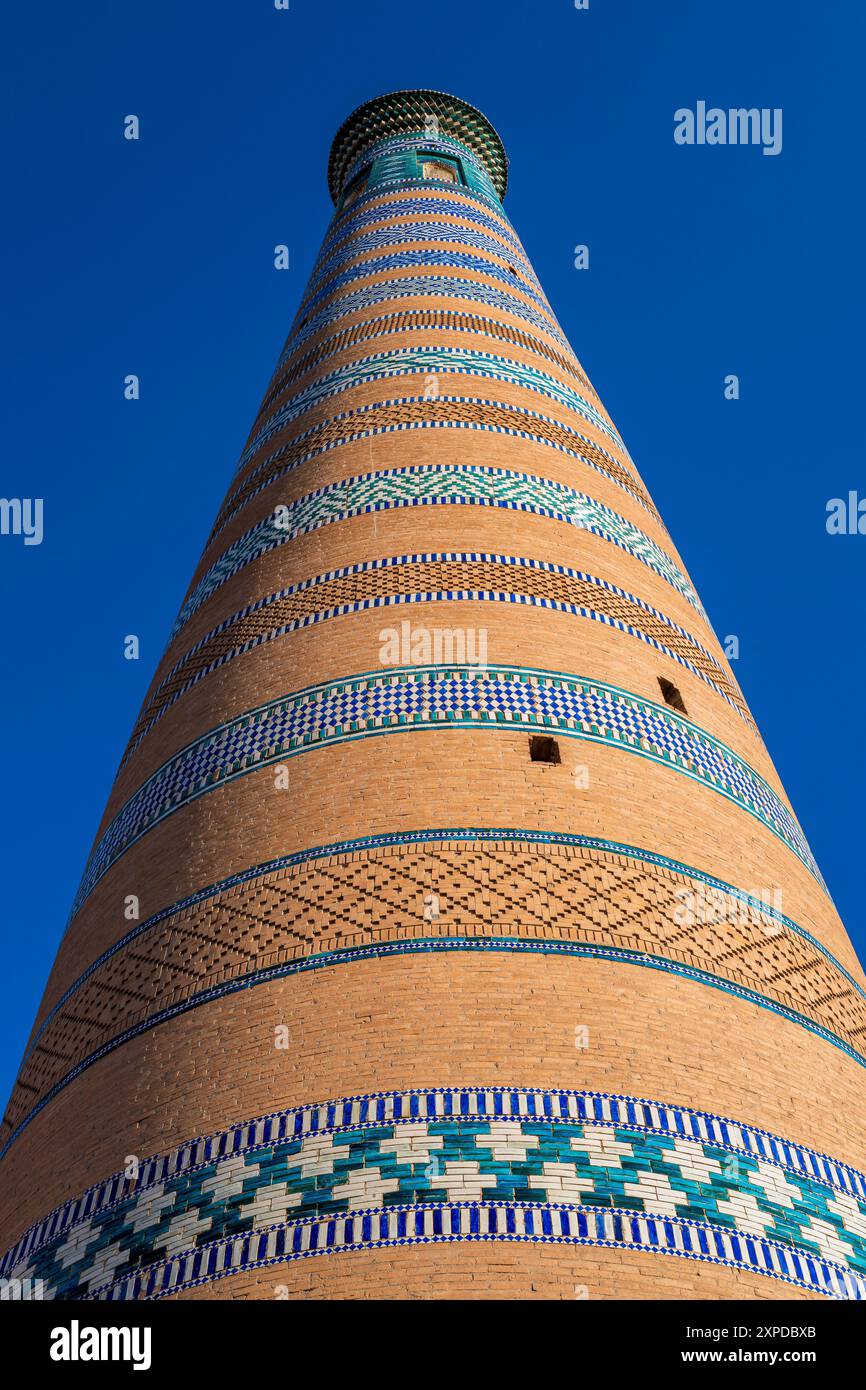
541,895
442,412
428,362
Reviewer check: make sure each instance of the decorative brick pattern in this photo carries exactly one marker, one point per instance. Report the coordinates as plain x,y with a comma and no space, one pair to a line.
439,287
367,243
437,697
436,485
411,413
451,211
333,905
431,361
433,578
420,321
397,233
433,260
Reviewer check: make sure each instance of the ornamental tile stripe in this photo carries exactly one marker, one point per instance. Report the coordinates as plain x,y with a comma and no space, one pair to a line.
440,577
428,361
435,260
508,835
400,699
435,485
405,234
470,1162
438,213
471,413
436,287
377,206
416,321
385,1228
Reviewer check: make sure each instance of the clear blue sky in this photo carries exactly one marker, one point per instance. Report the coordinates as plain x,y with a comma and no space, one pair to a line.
157,258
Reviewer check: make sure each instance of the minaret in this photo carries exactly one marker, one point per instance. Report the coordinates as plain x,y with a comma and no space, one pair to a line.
448,930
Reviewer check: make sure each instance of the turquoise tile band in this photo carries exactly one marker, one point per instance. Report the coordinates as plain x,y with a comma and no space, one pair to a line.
457,1164
436,485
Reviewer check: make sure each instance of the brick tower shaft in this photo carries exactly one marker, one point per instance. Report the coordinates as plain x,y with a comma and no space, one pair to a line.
448,930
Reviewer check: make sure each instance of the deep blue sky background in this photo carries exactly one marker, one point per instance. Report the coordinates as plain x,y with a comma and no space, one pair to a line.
157,258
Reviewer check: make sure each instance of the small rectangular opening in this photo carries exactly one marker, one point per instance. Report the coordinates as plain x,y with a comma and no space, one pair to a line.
543,749
440,169
672,695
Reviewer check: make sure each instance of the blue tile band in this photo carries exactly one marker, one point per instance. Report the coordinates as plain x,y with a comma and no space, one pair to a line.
714,677
401,699
362,216
496,1163
349,300
402,234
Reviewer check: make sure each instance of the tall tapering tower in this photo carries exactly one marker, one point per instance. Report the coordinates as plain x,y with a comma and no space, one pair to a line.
448,930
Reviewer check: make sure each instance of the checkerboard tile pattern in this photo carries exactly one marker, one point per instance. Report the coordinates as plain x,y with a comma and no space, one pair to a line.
471,1163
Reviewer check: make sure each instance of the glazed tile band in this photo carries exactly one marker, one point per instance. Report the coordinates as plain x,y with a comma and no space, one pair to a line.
440,214
390,1168
428,362
452,212
435,577
385,155
413,197
419,321
433,260
426,698
428,286
397,163
412,234
414,413
485,258
435,485
496,891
